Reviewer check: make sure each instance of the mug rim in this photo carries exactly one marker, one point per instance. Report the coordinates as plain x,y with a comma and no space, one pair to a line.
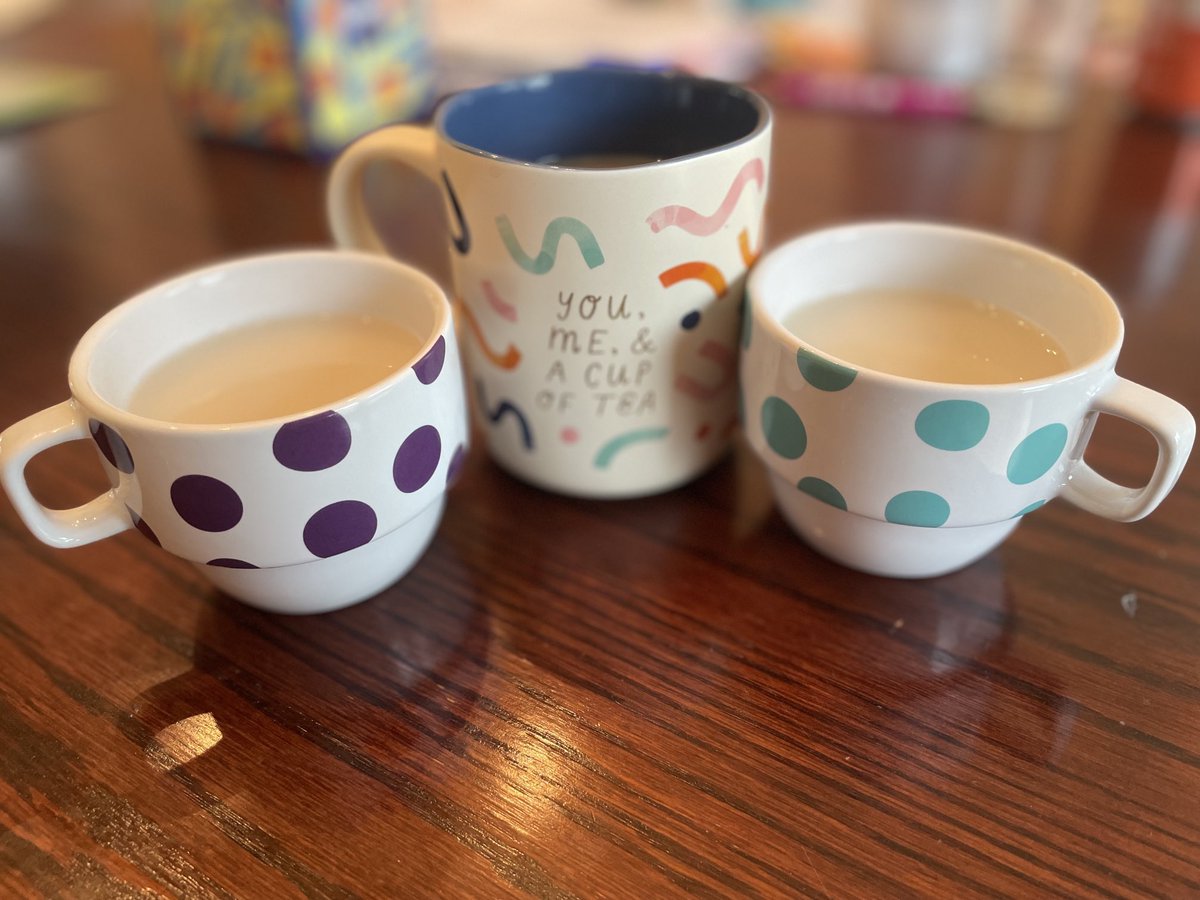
78,368
754,99
777,256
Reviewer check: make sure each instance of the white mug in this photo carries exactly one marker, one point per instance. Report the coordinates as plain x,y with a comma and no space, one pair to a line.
602,225
903,477
296,514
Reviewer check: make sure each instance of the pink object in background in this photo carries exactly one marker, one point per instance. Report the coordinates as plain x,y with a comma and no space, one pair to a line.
871,93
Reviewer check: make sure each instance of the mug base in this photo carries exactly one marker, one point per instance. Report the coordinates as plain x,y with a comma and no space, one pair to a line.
324,585
885,548
645,482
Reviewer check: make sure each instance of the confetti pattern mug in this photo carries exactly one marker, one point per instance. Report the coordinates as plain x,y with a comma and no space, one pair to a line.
602,222
297,514
910,478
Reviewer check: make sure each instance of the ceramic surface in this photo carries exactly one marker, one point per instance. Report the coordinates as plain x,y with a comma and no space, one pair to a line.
267,509
600,305
905,477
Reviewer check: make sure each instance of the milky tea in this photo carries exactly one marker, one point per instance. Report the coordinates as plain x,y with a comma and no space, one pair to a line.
928,335
273,369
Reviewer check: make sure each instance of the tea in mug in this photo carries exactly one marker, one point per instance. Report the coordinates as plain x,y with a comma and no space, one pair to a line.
615,160
272,369
929,335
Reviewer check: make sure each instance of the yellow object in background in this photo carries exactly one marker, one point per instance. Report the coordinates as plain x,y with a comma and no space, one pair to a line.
300,75
34,92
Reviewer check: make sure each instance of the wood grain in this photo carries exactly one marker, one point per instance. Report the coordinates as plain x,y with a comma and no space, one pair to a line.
625,699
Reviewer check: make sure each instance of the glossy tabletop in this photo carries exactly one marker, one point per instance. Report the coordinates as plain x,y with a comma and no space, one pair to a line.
623,699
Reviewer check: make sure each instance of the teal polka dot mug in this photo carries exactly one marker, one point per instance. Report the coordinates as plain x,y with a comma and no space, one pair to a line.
913,475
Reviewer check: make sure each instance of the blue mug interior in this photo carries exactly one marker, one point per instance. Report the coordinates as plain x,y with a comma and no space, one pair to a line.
601,111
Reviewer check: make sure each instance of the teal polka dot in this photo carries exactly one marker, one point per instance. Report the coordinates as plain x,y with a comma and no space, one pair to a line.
1030,508
953,424
922,508
783,429
822,490
823,374
1035,455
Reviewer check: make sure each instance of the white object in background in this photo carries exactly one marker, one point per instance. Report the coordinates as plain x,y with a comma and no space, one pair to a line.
1033,81
948,40
477,42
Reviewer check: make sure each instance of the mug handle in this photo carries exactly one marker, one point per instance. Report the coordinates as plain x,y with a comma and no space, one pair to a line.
408,145
99,518
1172,427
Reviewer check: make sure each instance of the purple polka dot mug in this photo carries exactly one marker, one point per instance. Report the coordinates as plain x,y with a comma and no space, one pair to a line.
301,512
907,441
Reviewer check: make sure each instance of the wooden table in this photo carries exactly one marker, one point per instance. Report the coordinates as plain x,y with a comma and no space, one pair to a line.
622,699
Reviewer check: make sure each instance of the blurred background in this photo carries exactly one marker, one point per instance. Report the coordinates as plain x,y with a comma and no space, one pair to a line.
1009,114
309,75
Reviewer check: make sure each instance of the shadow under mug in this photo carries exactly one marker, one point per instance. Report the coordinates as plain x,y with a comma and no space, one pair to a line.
297,514
903,477
602,225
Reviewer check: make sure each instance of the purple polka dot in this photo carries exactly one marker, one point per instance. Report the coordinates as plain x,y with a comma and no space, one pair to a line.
206,503
417,458
456,463
339,527
112,446
311,444
227,563
140,524
429,366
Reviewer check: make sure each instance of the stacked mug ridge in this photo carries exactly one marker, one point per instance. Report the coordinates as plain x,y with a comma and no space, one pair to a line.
906,477
299,513
602,222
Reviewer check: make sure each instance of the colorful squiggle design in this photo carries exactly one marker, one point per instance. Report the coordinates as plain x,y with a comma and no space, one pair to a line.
699,271
462,241
693,222
748,255
720,354
502,307
724,358
606,453
505,408
511,357
685,384
544,261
